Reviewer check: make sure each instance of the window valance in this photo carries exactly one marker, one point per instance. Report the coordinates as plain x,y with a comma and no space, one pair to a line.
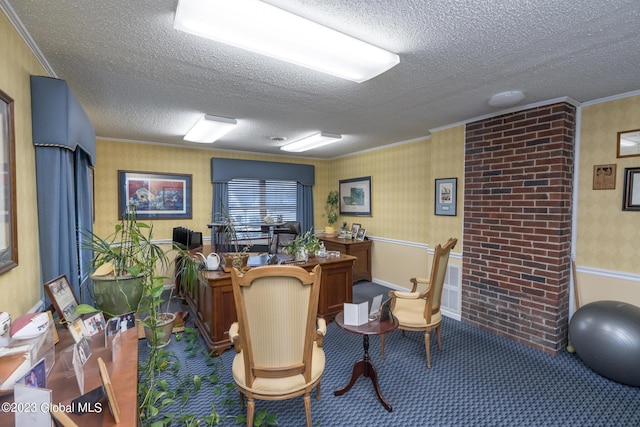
224,170
58,118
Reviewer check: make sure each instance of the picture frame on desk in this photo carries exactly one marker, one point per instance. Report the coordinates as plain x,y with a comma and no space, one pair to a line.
355,228
111,397
63,298
37,375
155,195
361,233
94,323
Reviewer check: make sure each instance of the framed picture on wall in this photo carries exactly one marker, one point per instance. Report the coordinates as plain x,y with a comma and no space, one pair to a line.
631,195
9,236
355,196
154,195
446,196
604,177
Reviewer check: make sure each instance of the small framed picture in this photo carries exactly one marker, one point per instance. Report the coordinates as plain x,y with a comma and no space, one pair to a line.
355,227
118,324
631,195
63,299
78,330
446,196
604,177
126,321
84,350
37,375
361,234
94,323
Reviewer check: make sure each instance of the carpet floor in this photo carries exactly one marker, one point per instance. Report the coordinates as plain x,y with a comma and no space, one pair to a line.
479,379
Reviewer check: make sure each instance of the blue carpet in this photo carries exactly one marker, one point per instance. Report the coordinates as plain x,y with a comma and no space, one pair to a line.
479,379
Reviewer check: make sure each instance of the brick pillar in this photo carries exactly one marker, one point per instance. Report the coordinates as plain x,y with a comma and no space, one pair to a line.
517,225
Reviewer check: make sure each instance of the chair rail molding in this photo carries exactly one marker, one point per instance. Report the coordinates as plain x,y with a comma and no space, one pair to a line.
621,275
399,242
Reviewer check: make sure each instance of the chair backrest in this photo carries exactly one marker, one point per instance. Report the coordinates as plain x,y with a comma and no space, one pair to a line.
277,308
284,235
438,274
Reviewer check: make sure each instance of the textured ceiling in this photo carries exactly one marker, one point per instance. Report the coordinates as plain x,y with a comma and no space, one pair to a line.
139,79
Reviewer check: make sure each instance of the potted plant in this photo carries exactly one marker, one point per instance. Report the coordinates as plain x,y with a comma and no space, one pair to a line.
123,264
228,246
303,247
331,211
125,278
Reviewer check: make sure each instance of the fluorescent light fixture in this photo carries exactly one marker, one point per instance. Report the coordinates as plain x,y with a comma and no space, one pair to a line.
313,141
259,27
210,128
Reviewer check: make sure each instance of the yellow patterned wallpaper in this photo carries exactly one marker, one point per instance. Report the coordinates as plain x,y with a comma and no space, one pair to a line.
398,185
607,237
21,287
403,184
116,155
447,161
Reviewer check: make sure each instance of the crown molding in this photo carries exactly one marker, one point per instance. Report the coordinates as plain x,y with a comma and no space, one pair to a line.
31,44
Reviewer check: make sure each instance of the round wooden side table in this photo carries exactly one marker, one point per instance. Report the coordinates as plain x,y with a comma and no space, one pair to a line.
365,366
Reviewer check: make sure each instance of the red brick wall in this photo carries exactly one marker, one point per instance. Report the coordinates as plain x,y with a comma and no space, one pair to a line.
517,225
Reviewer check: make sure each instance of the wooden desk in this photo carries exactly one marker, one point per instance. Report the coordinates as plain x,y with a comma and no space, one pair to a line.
123,374
361,249
215,309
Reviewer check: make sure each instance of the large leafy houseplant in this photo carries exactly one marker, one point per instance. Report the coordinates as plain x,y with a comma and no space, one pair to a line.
123,266
331,210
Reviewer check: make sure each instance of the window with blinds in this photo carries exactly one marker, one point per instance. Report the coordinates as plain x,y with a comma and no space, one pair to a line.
250,200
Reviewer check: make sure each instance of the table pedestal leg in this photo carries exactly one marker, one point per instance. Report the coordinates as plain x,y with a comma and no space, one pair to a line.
365,368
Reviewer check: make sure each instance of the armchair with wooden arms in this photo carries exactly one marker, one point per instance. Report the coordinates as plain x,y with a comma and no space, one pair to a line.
278,337
419,310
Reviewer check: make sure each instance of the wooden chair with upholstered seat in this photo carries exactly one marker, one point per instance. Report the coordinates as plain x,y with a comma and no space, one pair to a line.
278,337
419,310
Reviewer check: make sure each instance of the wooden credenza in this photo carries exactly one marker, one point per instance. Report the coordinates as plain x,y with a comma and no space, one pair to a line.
214,306
361,249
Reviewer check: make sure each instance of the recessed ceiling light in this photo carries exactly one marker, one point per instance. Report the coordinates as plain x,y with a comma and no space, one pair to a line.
506,99
262,28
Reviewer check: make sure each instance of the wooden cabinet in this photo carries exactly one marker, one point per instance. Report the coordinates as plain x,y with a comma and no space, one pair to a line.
361,249
215,310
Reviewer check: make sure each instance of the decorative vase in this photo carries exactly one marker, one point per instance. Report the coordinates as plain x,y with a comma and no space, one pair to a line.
302,254
164,328
115,295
